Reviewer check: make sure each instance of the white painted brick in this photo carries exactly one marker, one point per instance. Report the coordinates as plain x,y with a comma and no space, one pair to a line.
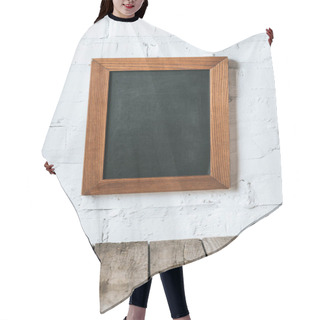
254,144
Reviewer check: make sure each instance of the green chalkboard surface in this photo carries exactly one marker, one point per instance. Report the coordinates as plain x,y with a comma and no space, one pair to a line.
158,124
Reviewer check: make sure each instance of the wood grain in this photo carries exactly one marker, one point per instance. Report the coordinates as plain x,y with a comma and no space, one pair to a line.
128,265
219,177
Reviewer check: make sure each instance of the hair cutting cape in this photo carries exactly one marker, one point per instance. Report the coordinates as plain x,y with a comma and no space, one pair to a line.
138,235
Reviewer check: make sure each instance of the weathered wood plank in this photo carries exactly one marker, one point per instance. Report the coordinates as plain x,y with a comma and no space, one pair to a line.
127,265
165,255
124,266
214,244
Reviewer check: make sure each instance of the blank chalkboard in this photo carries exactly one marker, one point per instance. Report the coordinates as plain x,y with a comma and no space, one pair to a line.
158,124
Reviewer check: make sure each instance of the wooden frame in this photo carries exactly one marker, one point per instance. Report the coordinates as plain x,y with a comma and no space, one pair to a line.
219,178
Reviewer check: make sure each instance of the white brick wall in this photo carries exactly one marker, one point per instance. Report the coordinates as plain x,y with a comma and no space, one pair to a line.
254,143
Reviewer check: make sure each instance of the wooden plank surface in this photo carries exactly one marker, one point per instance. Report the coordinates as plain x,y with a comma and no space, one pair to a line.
127,265
124,266
165,255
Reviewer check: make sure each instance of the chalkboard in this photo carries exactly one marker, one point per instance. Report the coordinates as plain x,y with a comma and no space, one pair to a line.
157,125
